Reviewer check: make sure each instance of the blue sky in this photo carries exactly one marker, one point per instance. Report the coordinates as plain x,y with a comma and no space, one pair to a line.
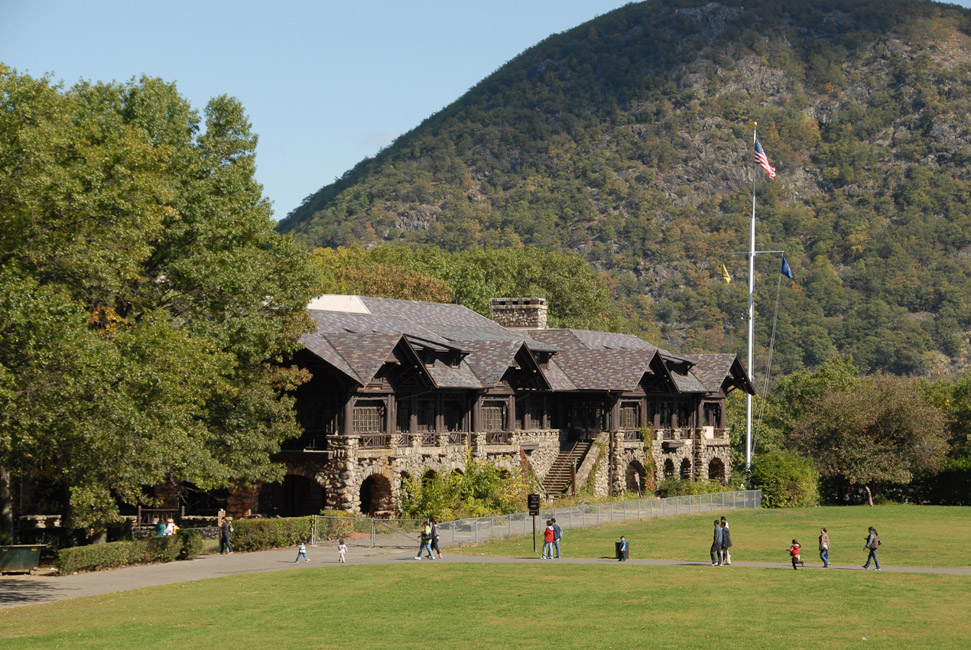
325,83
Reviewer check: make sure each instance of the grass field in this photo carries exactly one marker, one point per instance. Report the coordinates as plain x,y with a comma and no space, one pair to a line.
553,605
918,536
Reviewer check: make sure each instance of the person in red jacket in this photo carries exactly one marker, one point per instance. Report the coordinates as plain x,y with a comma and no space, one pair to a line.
794,553
548,537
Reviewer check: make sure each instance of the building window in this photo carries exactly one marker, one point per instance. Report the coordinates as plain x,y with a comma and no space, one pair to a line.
713,415
493,416
664,415
587,415
404,415
368,417
684,415
630,415
454,415
426,415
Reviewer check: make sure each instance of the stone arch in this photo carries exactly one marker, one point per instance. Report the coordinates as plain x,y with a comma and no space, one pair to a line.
295,496
430,475
668,468
376,496
635,477
685,469
716,470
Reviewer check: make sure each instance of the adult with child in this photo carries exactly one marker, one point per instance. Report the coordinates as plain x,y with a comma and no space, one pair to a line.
872,544
716,545
557,536
824,547
726,557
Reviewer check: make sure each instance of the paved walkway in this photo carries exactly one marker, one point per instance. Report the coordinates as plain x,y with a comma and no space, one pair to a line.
16,590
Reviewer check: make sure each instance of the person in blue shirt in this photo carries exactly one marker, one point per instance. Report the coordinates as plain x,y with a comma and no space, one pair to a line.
622,551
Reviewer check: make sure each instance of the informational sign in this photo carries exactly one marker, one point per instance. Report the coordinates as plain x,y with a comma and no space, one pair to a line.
533,501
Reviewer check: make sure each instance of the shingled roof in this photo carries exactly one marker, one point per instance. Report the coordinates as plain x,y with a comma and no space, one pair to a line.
357,342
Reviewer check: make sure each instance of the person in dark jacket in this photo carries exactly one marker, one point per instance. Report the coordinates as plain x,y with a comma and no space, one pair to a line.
726,543
716,545
557,536
225,533
872,544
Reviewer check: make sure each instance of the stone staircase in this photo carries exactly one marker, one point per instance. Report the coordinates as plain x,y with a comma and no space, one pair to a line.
558,478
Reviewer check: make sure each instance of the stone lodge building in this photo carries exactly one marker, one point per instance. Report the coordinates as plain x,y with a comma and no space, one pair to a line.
402,388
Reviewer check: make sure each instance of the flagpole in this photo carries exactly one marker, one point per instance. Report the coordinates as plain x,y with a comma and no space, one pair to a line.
751,322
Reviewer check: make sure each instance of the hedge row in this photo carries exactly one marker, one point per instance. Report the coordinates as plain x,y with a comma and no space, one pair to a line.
95,557
263,534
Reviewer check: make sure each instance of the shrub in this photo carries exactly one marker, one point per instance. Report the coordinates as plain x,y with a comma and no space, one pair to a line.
161,549
262,534
96,557
191,544
787,480
673,487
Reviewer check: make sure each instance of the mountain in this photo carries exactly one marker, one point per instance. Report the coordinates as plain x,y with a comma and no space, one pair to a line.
630,140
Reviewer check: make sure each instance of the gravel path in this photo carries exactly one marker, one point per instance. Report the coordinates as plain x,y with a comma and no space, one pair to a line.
16,590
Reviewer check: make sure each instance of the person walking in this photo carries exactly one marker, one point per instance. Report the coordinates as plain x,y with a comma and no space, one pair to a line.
796,555
302,551
726,557
824,547
728,553
341,551
435,537
557,536
226,530
872,544
716,545
548,537
426,541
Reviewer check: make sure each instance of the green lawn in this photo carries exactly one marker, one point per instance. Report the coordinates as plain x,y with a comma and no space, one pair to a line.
554,605
919,536
542,605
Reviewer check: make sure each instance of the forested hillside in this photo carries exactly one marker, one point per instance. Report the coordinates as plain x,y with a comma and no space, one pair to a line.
629,139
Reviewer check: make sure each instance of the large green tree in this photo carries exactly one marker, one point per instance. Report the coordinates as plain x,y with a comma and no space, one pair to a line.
145,299
878,430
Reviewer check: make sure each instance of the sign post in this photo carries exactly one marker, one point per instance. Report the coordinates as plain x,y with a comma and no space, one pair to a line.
533,501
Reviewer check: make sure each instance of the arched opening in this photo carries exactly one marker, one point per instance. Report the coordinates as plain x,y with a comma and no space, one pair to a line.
376,496
296,496
716,470
429,475
685,470
668,468
635,477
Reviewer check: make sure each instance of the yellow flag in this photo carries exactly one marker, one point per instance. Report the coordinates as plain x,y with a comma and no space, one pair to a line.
726,279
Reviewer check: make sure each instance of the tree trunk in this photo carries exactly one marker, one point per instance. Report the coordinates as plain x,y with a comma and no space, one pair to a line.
6,503
869,495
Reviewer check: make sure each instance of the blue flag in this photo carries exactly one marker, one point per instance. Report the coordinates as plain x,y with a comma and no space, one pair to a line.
786,271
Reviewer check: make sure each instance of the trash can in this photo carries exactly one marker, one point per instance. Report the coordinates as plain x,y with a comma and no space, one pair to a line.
621,555
22,558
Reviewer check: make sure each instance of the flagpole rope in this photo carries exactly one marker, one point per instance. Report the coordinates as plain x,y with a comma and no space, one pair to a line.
768,366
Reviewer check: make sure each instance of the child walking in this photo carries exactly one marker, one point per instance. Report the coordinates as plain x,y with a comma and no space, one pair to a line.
794,554
302,552
341,551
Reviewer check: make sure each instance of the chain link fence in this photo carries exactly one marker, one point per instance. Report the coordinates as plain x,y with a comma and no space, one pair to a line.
404,533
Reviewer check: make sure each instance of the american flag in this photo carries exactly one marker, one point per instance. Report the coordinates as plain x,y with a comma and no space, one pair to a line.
762,161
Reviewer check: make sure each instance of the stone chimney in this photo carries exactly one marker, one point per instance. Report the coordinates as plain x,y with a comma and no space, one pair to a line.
519,313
